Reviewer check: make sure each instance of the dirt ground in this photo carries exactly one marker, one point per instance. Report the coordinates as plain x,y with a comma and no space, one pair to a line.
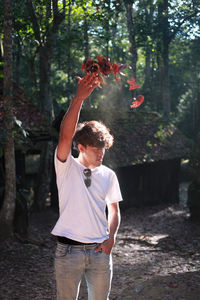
157,256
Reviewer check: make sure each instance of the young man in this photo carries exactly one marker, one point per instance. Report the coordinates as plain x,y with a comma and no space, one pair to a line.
85,187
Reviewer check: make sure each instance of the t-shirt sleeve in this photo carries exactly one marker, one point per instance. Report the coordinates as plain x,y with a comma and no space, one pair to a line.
114,192
61,167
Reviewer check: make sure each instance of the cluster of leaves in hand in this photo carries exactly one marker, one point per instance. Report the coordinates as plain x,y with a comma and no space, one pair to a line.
102,67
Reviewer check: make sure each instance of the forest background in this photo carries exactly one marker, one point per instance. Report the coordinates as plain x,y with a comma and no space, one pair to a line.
44,43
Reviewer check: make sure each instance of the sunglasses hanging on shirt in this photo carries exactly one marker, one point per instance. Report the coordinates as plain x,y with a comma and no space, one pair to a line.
87,173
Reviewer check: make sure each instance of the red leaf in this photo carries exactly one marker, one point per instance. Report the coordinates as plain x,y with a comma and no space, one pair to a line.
117,68
133,84
90,66
118,78
105,65
138,101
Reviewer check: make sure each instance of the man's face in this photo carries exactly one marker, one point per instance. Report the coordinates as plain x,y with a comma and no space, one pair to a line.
92,157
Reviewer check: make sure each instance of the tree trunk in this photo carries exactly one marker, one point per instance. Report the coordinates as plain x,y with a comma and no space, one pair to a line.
45,99
147,70
33,75
148,48
18,57
86,38
165,81
85,34
107,36
163,6
130,25
8,209
42,187
46,106
115,48
68,62
87,104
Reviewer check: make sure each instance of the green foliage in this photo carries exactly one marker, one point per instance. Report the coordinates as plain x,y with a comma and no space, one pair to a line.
149,144
108,35
163,132
188,81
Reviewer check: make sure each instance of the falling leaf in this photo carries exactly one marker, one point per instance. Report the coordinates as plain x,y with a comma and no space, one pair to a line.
138,101
103,67
133,84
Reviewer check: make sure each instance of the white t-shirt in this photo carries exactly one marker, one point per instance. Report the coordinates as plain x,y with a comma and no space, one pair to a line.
82,209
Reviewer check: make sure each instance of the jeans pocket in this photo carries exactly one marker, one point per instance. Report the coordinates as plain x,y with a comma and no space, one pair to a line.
106,254
61,251
102,253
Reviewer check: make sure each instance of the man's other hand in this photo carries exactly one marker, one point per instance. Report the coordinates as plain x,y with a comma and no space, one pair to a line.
106,246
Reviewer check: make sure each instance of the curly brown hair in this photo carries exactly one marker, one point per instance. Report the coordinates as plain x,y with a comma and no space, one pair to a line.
93,133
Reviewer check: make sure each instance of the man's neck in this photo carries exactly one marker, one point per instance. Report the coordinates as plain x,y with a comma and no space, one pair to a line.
85,163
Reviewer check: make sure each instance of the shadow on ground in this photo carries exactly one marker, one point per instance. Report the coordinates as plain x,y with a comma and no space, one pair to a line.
156,257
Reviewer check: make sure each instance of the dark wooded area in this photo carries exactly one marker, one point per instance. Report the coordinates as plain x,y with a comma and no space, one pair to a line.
48,42
156,150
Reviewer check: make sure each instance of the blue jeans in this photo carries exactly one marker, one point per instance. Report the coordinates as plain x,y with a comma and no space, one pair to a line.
72,262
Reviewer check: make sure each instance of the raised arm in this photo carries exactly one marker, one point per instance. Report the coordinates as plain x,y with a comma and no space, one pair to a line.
70,120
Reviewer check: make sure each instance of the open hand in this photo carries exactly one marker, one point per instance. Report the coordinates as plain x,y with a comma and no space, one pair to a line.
86,86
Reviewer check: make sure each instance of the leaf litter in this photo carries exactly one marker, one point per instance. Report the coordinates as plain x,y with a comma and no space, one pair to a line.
156,256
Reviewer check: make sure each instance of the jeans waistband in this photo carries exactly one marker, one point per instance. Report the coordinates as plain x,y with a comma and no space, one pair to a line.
78,247
64,240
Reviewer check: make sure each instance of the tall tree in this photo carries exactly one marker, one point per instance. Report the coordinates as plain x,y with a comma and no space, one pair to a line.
147,24
163,16
68,50
85,31
49,27
132,34
7,212
47,23
172,16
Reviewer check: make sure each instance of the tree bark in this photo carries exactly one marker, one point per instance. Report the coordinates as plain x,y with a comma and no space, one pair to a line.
163,11
147,70
42,185
68,62
130,25
45,99
107,36
8,209
18,57
86,38
165,81
148,47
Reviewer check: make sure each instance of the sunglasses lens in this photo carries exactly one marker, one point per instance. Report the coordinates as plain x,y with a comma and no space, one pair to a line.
87,173
87,182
